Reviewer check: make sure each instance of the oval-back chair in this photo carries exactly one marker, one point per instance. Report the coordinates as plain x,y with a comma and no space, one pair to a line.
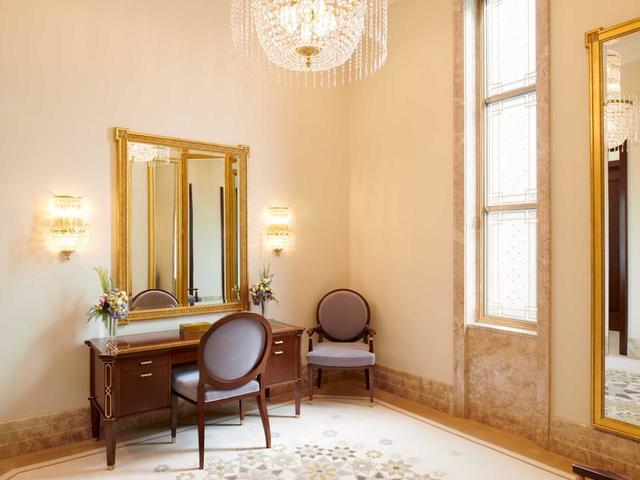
153,298
232,358
343,319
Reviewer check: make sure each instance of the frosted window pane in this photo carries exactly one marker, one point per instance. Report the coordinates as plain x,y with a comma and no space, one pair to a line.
511,265
510,44
511,151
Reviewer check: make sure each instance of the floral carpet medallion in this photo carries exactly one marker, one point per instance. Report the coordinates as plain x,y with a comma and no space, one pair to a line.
334,439
313,462
622,395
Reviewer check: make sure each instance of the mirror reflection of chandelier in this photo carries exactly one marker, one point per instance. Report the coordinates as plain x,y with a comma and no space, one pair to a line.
312,42
621,108
155,155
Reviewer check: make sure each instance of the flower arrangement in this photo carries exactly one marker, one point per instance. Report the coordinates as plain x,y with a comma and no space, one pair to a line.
262,293
112,306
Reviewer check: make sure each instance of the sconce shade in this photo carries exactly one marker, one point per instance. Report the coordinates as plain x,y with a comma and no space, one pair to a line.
67,230
278,233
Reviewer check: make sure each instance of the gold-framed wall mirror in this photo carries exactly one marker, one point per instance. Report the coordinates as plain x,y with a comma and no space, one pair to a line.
182,225
614,59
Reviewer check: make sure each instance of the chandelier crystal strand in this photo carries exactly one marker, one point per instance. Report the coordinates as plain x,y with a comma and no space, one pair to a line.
621,108
313,37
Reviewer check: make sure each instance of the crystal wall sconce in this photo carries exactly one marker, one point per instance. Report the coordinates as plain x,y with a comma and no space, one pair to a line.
67,225
278,231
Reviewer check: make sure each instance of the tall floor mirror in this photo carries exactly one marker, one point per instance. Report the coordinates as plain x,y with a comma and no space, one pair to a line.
614,55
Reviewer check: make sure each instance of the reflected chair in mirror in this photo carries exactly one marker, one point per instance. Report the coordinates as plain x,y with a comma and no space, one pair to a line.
232,357
343,320
153,298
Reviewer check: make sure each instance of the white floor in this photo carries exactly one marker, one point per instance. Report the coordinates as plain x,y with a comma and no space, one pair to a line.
334,438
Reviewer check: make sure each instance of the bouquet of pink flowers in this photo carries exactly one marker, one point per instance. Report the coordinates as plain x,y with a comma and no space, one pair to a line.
113,304
262,293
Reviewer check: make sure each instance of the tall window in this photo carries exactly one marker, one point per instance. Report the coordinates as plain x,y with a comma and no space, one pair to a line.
508,186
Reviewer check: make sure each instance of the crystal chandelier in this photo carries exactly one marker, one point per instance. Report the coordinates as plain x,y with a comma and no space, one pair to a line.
621,108
312,42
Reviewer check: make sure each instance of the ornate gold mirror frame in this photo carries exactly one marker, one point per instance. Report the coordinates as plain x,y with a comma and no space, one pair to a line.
122,137
594,42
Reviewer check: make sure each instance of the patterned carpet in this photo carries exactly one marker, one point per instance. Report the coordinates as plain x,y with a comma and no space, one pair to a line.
622,395
333,439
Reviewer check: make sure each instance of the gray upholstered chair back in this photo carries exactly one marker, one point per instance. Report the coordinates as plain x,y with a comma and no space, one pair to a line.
153,298
235,348
343,315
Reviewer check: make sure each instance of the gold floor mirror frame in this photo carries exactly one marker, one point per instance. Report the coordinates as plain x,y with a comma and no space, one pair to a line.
123,252
594,42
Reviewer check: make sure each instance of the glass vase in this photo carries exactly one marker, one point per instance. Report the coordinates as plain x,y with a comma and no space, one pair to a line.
112,329
263,309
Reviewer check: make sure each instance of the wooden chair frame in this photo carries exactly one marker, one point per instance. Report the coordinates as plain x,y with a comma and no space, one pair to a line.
366,335
206,378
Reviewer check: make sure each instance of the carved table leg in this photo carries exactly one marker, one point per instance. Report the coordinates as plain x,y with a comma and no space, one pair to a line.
95,420
298,387
110,442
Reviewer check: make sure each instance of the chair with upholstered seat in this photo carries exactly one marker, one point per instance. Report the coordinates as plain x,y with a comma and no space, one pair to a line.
343,319
232,358
153,298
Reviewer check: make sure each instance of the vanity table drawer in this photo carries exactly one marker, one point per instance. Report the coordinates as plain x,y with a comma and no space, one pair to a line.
282,342
145,362
281,363
145,388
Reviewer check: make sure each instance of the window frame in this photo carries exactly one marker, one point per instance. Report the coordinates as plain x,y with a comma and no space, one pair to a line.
483,208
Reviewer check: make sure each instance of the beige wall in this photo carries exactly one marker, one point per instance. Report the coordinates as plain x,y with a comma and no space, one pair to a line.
402,189
570,197
74,69
401,180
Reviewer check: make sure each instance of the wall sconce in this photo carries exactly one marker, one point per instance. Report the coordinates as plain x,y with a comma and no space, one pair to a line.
67,227
278,232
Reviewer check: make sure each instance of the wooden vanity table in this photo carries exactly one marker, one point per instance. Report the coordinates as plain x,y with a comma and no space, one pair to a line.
134,376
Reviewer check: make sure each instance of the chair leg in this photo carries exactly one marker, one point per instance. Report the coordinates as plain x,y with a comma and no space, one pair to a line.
366,378
319,378
310,381
201,434
174,417
264,415
241,401
371,374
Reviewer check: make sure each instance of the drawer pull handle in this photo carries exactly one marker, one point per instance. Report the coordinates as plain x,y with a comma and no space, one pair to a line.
147,362
278,342
145,375
279,352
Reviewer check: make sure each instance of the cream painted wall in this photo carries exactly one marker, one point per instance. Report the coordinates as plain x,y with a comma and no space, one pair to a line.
570,197
401,180
71,70
402,191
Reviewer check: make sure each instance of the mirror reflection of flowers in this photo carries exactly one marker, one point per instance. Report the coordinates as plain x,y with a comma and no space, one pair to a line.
112,306
262,292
